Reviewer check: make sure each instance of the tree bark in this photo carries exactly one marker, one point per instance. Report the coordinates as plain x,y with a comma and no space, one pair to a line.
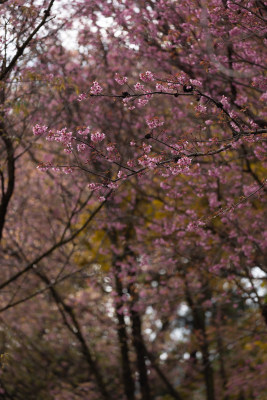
200,326
172,391
140,354
128,382
8,189
64,308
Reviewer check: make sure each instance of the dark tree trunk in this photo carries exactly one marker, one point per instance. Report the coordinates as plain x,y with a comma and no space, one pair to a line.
199,325
128,382
7,188
66,309
140,354
172,391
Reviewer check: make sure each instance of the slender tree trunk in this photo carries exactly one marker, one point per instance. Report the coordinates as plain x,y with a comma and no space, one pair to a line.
128,382
137,338
208,370
222,364
140,354
200,326
221,352
172,391
264,312
66,309
7,188
127,377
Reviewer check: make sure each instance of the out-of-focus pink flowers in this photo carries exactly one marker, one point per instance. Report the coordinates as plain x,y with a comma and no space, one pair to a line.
96,88
39,130
97,137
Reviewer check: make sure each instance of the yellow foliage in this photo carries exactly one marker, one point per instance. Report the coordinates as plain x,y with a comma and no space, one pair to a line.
91,246
4,357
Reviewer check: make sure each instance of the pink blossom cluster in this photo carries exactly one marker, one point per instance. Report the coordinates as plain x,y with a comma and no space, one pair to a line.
235,127
147,76
97,137
213,200
161,88
249,189
125,103
182,78
50,136
113,185
147,148
253,124
113,155
263,97
95,186
110,148
142,102
178,147
121,80
154,122
261,151
131,163
200,108
225,103
39,130
139,87
181,166
196,82
209,122
195,226
82,97
81,147
62,136
148,95
121,175
96,88
84,132
165,186
67,170
68,149
149,162
43,167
